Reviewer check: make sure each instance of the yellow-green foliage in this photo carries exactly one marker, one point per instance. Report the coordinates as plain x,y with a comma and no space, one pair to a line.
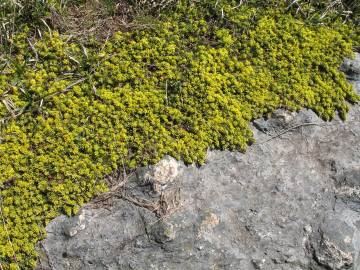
73,115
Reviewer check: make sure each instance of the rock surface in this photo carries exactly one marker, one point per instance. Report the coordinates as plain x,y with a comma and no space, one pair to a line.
291,202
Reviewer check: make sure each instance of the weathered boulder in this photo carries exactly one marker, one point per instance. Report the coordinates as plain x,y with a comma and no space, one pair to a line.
291,202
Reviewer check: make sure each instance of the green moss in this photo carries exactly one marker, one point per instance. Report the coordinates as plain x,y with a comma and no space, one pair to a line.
73,115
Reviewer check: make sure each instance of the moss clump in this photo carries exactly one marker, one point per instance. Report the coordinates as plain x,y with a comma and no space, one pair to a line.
72,115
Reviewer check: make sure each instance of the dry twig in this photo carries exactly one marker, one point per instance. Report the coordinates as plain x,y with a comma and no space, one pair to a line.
290,129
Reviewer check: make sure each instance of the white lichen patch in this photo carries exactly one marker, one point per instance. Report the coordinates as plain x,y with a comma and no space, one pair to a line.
163,172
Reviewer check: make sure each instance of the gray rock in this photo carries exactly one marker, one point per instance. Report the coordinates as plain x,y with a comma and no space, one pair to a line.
332,257
291,202
164,232
352,67
74,224
279,120
334,246
259,263
348,187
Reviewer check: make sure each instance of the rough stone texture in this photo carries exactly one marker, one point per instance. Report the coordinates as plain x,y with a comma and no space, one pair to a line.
291,202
